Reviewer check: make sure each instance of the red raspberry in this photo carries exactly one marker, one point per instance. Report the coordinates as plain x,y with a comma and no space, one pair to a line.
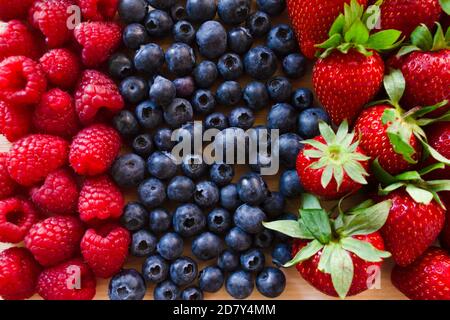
100,200
14,9
71,280
16,218
96,91
51,18
62,67
54,239
56,115
15,121
17,40
32,158
105,249
18,274
94,149
7,185
58,195
98,10
22,81
98,39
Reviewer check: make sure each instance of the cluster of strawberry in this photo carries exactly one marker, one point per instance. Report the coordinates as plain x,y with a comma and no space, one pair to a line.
55,195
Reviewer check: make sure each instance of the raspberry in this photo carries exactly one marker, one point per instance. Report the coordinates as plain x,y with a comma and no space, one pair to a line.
98,10
54,239
62,67
14,9
100,200
17,40
51,17
58,195
7,185
16,218
99,40
105,249
71,280
22,81
94,149
32,158
56,115
15,121
18,274
96,91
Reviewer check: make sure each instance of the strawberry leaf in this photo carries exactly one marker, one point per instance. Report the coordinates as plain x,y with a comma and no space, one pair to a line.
434,153
390,188
310,202
431,168
364,250
305,253
422,38
341,267
408,175
383,40
363,205
358,33
371,18
325,258
401,145
382,175
290,228
439,39
332,42
337,26
418,194
395,84
445,4
318,224
420,112
407,49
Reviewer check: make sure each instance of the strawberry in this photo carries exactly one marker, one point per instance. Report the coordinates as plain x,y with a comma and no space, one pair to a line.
338,256
349,72
331,156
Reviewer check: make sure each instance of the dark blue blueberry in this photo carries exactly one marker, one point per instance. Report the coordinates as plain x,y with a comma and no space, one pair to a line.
274,204
185,86
290,145
143,145
272,7
207,246
263,160
188,220
134,216
134,89
206,194
228,261
211,279
256,96
240,284
162,91
149,58
281,254
161,165
252,189
180,59
183,271
232,145
161,4
183,31
281,40
170,246
241,117
127,125
193,166
233,11
279,89
229,93
201,10
128,284
211,39
216,120
155,269
249,218
239,40
302,99
134,35
178,112
294,65
143,243
308,122
229,197
259,24
158,23
149,114
282,116
219,221
192,293
253,260
132,10
128,170
180,189
221,174
263,239
178,12
166,290
260,63
271,282
230,66
290,185
120,66
163,139
152,193
160,220
238,240
205,74
203,101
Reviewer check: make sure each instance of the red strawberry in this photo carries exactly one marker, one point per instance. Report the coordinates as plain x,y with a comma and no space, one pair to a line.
332,165
7,185
16,218
14,9
438,136
426,279
17,40
445,234
98,10
15,121
62,67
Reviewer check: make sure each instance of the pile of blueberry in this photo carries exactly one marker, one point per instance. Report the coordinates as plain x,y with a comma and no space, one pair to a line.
164,92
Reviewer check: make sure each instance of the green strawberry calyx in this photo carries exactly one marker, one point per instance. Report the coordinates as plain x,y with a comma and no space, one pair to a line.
337,156
352,30
423,40
335,237
445,4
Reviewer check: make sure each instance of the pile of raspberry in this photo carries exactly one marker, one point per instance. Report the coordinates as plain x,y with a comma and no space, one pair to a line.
56,198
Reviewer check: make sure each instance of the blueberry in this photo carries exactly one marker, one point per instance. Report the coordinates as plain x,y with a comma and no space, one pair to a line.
290,145
184,87
262,161
120,66
127,125
184,32
253,260
132,10
259,24
290,185
282,116
281,40
228,261
216,120
149,58
238,240
256,96
143,145
229,93
239,40
134,89
219,221
158,23
134,216
231,144
170,246
148,114
192,293
230,66
166,290
178,12
161,4
272,7
249,218
180,189
189,220
183,271
241,117
205,74
134,35
281,254
143,243
162,91
180,59
308,122
274,204
163,139
211,279
203,101
155,269
239,284
178,113
264,239
271,282
128,284
233,11
260,63
206,194
207,246
279,89
128,170
160,220
294,65
193,166
161,165
252,189
201,10
211,39
221,174
152,193
229,197
302,99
